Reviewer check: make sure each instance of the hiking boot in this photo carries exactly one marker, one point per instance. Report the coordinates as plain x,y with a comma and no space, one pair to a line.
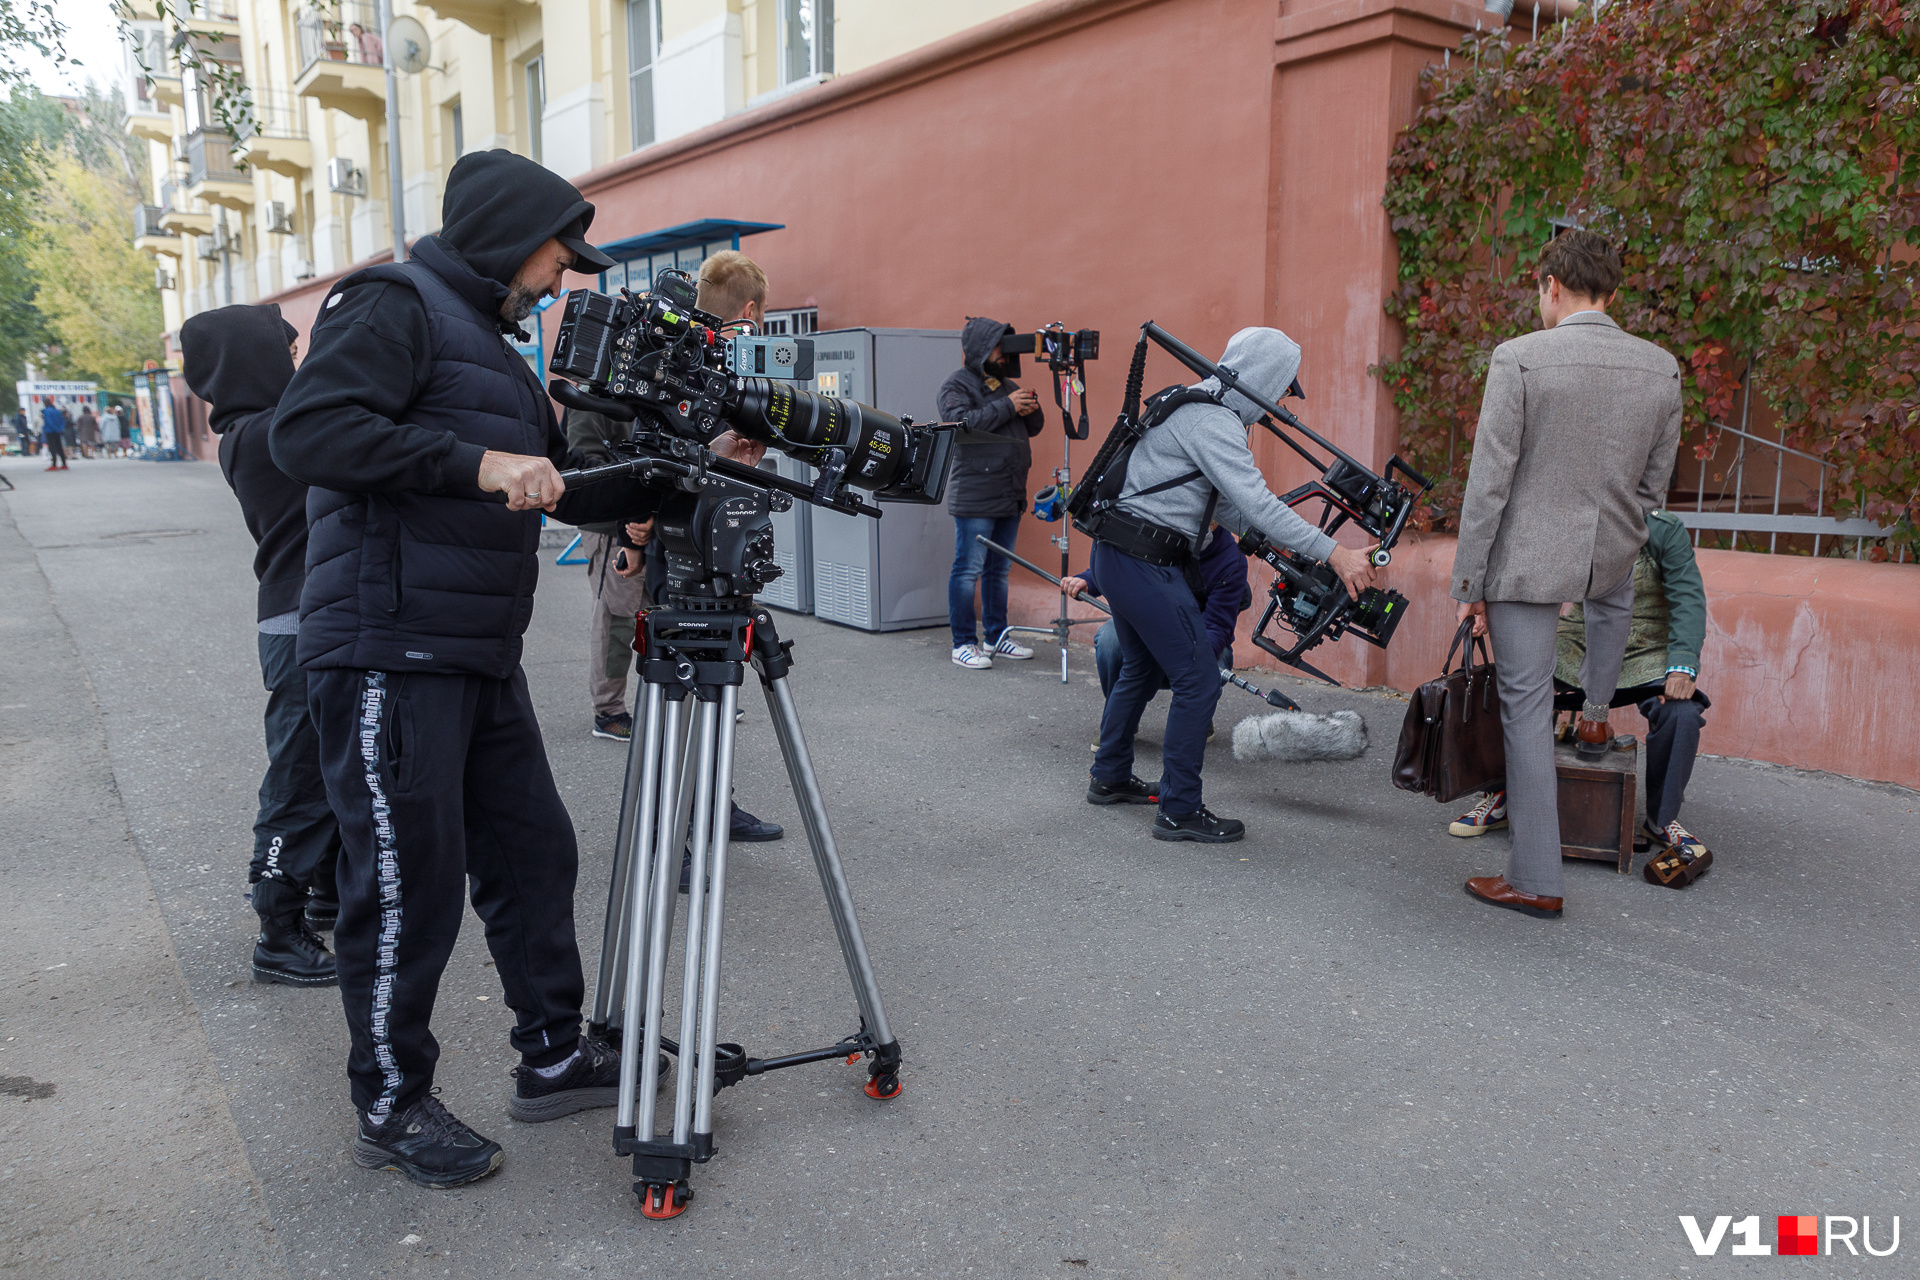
590,1078
970,657
427,1144
1198,825
1008,649
618,727
1132,791
1489,815
287,951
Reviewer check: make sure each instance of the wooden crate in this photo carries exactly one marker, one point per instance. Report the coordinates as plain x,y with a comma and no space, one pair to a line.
1597,804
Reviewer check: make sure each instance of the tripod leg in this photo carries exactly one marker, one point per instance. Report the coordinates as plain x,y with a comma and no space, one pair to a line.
631,885
833,879
647,970
719,812
609,998
706,726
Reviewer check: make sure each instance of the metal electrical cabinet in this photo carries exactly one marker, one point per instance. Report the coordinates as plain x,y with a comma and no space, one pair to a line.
792,543
887,574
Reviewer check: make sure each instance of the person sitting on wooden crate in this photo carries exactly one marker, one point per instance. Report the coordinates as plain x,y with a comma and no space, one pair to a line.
1659,676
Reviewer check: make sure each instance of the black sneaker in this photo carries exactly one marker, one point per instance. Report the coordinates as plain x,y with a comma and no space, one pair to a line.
592,1079
1132,791
1199,825
744,828
618,726
427,1144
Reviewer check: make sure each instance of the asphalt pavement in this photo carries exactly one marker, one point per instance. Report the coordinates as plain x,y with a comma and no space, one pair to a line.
1307,1054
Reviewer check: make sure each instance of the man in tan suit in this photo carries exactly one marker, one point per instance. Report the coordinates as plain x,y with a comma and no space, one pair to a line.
1578,429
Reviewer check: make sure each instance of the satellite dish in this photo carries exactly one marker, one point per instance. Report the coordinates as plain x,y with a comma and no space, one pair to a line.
408,45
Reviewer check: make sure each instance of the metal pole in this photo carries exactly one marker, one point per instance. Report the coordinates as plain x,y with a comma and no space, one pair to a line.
395,184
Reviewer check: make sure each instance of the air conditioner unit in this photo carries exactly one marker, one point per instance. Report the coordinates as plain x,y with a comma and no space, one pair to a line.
303,269
279,223
344,179
205,249
162,278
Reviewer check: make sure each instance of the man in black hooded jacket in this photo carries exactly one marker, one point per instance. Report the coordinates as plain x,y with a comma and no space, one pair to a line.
409,415
239,359
988,490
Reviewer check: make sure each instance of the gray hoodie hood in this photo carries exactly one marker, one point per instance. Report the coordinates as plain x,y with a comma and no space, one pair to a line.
978,338
1266,360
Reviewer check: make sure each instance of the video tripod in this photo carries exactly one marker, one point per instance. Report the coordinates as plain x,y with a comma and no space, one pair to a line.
692,659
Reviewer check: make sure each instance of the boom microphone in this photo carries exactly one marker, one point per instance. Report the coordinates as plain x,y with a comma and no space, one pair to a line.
1298,736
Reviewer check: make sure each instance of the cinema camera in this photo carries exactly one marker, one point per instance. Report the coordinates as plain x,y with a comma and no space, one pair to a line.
1306,598
656,362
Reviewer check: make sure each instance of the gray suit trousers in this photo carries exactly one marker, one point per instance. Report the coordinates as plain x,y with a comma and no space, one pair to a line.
1523,653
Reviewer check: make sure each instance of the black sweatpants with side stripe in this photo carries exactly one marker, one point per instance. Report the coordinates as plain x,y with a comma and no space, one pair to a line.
441,785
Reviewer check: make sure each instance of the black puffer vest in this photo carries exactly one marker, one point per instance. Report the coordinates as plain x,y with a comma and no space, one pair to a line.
432,582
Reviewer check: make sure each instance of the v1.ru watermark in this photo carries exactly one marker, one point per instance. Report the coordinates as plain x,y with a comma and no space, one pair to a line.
1797,1235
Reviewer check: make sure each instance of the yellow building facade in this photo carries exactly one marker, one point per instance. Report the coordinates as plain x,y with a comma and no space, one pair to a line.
301,189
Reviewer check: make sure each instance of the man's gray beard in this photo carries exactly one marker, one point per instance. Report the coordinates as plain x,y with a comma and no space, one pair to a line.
519,304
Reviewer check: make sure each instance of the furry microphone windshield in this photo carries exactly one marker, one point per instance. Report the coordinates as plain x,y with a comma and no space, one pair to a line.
1300,735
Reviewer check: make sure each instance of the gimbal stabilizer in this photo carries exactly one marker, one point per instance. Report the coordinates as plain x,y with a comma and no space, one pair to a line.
1306,597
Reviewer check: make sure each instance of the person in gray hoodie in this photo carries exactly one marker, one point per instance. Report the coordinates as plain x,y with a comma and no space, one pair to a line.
1191,469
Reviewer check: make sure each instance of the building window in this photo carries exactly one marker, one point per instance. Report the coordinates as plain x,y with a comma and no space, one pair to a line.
459,130
536,105
794,324
643,46
806,39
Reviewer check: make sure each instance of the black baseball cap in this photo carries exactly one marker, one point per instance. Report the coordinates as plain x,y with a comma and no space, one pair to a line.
587,260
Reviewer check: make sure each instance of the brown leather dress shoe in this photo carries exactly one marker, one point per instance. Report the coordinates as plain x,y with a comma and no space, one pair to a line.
1591,738
1496,890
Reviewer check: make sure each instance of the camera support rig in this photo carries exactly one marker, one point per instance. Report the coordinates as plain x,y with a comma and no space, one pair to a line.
1066,352
1307,598
692,656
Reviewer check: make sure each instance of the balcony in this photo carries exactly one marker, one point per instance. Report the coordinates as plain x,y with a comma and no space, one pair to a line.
276,138
149,236
154,126
342,60
488,17
213,175
176,218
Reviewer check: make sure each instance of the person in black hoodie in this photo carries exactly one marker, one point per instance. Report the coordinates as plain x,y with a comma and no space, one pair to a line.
988,490
239,359
411,417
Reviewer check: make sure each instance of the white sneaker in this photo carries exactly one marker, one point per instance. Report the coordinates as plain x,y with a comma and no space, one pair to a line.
1008,649
970,657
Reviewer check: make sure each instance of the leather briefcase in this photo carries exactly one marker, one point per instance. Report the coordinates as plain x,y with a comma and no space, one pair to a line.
1451,742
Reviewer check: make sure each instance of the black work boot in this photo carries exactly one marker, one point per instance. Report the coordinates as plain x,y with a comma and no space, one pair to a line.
1198,825
427,1144
288,951
323,909
591,1078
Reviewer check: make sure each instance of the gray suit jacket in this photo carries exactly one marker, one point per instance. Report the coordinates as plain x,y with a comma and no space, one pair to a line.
1578,430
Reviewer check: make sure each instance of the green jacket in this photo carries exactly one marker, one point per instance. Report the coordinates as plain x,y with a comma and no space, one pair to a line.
1669,612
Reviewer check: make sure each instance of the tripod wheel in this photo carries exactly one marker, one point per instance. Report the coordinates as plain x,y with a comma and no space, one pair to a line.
884,1086
661,1200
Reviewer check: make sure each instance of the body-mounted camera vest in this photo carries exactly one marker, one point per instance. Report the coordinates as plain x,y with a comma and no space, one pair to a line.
1095,507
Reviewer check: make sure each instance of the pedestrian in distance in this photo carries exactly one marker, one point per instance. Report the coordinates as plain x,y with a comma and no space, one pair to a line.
1186,470
987,490
87,432
239,359
53,429
1578,428
409,414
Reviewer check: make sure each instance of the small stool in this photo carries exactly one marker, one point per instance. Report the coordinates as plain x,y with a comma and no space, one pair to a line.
1597,804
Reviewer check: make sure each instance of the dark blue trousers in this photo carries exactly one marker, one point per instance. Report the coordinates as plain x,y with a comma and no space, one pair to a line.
1161,633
